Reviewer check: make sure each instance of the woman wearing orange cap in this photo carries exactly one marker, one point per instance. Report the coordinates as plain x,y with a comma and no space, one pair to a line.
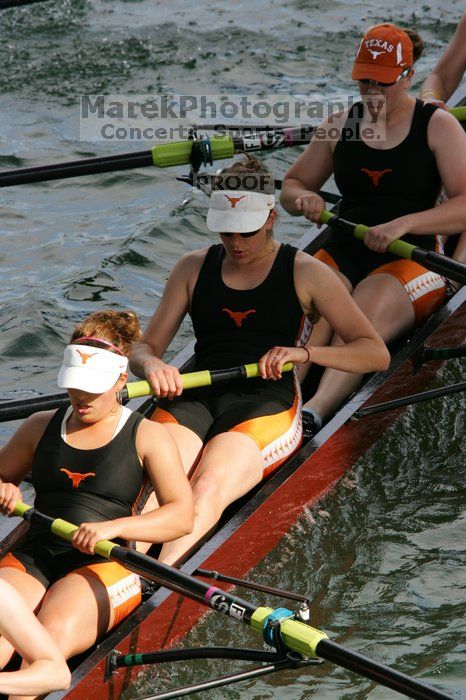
389,179
93,464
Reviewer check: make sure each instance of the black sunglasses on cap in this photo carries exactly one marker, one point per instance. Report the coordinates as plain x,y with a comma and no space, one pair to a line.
247,234
378,83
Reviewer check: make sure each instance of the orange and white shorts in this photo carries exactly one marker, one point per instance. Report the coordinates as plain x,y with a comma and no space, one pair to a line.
426,290
269,412
122,586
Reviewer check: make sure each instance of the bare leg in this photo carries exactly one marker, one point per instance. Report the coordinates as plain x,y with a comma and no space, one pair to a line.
31,590
387,306
190,448
230,466
75,612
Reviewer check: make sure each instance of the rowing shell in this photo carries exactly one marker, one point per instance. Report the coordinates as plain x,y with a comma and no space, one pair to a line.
242,542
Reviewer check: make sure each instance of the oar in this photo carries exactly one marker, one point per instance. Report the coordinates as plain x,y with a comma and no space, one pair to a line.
435,262
163,156
295,635
14,410
4,4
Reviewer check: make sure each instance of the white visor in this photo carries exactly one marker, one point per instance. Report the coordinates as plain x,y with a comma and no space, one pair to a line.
90,369
236,211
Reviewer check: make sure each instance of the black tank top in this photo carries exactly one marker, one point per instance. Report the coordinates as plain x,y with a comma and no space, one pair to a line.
381,185
234,327
86,485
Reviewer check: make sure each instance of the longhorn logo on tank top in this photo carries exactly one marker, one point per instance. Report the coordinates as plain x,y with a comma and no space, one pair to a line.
375,175
85,356
239,316
234,200
76,477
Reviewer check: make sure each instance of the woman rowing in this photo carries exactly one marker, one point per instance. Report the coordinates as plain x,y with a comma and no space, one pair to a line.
92,464
47,669
390,183
248,297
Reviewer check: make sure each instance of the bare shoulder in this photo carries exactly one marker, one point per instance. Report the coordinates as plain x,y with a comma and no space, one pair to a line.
35,425
305,264
190,263
26,438
152,436
442,122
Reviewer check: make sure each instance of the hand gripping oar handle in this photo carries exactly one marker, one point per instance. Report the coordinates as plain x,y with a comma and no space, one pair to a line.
193,380
14,410
452,269
294,635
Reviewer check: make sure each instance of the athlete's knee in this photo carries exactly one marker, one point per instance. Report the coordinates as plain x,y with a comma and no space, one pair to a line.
6,652
61,628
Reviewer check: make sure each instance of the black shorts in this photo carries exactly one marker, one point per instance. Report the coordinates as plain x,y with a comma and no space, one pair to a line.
48,566
268,411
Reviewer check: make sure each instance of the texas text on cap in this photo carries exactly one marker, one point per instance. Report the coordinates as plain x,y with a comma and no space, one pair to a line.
385,51
90,369
238,211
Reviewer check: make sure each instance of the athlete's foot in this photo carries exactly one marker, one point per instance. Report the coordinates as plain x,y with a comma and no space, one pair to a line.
310,426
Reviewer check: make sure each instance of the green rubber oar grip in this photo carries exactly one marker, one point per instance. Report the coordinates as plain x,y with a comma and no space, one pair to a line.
398,247
21,509
179,152
459,113
194,380
64,529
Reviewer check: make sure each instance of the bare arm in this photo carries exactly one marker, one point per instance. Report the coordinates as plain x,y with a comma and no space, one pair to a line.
16,458
146,357
445,136
307,175
363,350
174,516
439,86
47,668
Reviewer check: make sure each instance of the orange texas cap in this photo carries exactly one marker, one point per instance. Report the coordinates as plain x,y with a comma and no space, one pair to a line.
385,51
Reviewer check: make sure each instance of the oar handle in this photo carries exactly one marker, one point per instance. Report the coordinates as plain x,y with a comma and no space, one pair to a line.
64,529
459,113
15,410
194,380
443,265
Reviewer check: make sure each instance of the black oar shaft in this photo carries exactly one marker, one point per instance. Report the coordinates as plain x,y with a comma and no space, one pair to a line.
389,677
87,166
429,354
412,399
301,636
22,408
443,265
4,4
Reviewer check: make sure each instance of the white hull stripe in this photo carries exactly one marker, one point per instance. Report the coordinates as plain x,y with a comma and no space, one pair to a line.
285,445
124,590
425,283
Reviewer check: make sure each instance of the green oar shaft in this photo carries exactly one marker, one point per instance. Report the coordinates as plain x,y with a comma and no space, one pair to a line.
15,410
296,635
452,269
